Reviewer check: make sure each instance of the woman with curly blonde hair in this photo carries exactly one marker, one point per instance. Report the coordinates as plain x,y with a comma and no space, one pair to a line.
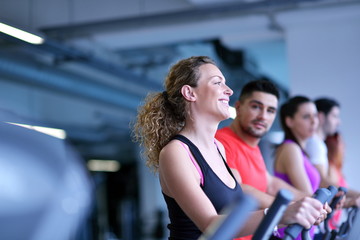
177,130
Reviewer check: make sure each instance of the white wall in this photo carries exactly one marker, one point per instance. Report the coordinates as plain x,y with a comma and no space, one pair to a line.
323,50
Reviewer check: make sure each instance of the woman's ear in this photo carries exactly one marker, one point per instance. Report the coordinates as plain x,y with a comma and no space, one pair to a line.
188,93
289,122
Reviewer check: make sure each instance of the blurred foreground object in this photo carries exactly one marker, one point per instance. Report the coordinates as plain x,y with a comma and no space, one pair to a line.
45,189
235,215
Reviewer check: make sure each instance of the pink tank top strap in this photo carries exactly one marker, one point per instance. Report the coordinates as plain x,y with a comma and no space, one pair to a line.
195,163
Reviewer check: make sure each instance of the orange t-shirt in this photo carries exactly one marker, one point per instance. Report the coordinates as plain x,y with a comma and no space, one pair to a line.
246,159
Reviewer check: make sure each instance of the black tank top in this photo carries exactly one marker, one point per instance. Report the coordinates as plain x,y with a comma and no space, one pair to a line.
181,227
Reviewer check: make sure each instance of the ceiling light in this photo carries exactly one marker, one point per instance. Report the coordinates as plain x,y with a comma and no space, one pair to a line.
55,132
103,165
20,34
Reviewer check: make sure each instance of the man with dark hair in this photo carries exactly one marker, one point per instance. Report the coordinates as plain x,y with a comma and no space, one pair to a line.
317,150
260,85
329,120
255,113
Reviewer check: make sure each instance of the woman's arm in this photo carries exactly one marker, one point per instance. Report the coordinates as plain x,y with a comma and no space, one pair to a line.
332,174
181,181
289,160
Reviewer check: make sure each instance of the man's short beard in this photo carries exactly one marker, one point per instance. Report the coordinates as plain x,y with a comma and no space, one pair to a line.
253,133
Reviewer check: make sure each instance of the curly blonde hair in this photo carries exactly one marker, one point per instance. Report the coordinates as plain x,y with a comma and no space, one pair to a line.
163,114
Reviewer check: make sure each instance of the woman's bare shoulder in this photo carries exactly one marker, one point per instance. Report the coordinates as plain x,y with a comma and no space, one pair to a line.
288,149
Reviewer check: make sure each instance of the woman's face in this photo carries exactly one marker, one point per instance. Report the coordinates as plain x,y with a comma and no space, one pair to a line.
332,121
212,93
304,122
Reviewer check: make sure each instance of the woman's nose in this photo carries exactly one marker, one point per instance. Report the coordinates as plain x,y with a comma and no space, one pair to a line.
229,91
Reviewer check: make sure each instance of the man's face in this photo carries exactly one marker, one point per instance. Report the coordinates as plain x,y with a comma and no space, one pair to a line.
256,114
332,121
